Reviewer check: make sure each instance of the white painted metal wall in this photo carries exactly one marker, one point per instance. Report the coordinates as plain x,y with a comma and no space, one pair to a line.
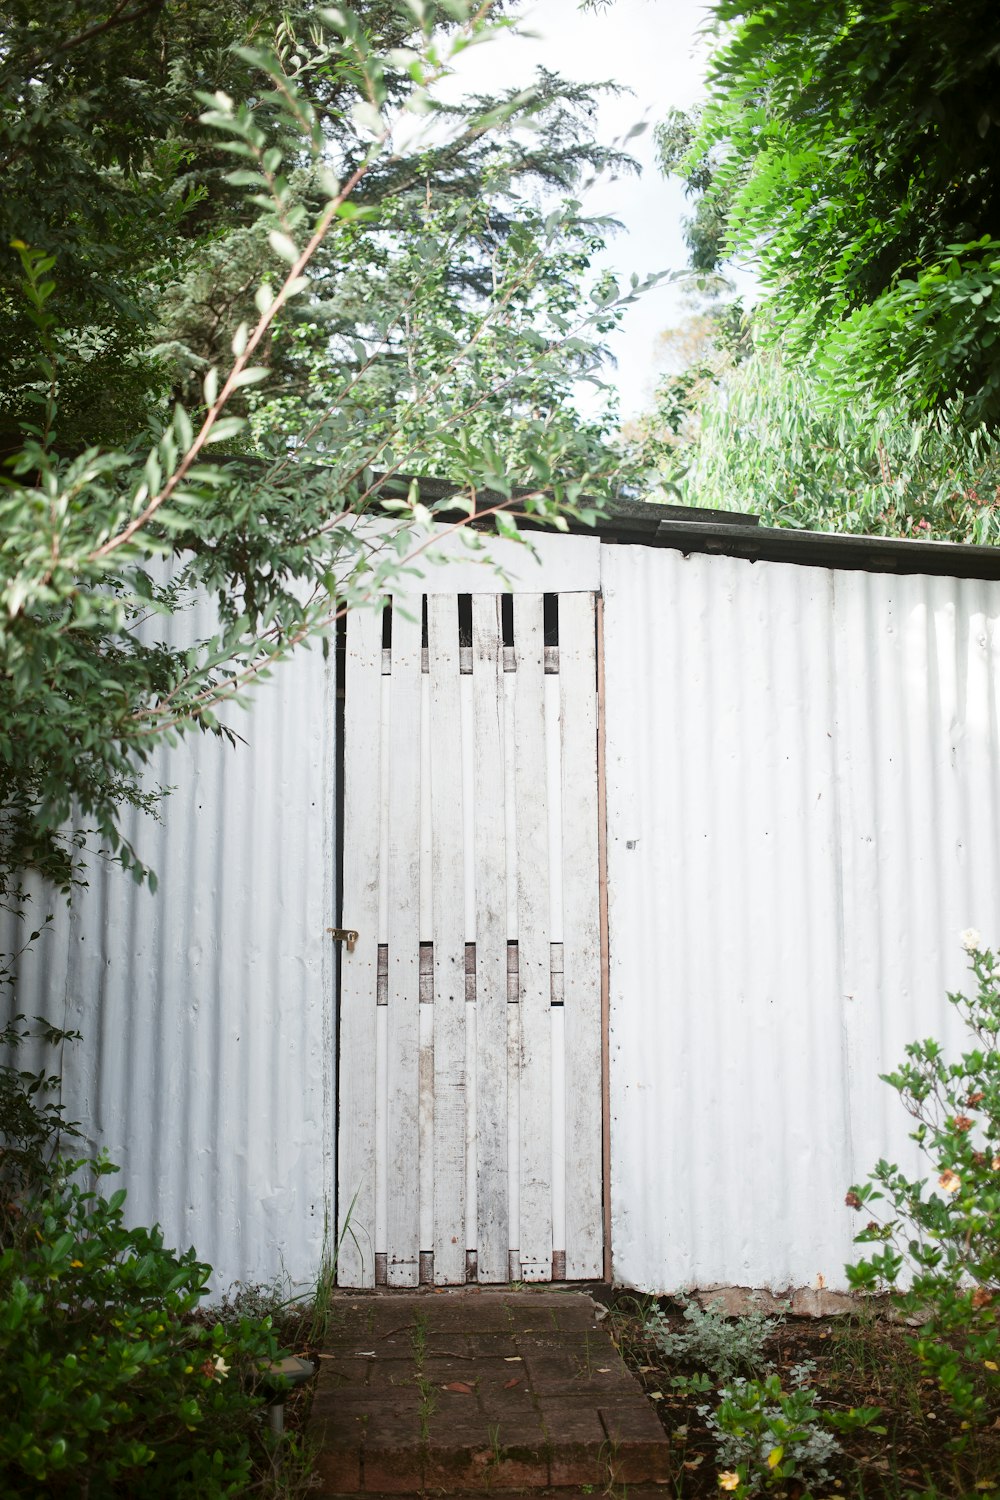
206,1067
803,813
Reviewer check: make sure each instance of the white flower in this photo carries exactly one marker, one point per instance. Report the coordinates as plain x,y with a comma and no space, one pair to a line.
221,1368
970,939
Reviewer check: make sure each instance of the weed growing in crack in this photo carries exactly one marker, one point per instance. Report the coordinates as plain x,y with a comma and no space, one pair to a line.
428,1395
418,1338
427,1407
496,1452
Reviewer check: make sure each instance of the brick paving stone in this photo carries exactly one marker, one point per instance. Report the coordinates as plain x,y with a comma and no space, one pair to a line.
492,1345
554,1371
395,1471
499,1380
451,1341
450,1367
454,1468
346,1371
571,1417
633,1423
338,1469
453,1426
395,1378
516,1423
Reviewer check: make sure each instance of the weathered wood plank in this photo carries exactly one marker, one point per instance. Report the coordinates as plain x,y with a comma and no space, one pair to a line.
358,983
403,879
602,859
426,1111
426,836
491,941
465,686
553,784
448,918
581,936
513,1140
534,1075
506,790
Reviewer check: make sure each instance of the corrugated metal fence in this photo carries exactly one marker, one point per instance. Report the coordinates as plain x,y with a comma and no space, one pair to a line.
803,795
206,1010
803,770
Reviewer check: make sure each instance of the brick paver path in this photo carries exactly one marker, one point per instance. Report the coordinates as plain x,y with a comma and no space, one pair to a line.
441,1393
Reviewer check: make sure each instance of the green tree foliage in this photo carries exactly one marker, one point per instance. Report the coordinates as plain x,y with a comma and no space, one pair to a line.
760,436
706,231
252,215
852,151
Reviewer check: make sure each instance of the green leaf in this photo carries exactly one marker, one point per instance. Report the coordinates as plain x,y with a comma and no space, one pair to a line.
225,428
283,245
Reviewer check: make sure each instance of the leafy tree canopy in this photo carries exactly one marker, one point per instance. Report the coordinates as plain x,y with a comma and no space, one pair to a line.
760,436
255,233
852,151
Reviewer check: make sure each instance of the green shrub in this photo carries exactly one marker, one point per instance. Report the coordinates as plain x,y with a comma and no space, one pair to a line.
111,1386
713,1342
942,1232
765,1434
32,1125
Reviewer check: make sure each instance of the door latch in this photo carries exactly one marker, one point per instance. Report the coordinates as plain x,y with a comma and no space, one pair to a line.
344,935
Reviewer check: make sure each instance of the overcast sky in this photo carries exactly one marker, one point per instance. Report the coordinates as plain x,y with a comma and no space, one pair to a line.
653,48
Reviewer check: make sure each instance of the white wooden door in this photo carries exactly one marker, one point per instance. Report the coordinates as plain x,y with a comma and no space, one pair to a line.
470,1102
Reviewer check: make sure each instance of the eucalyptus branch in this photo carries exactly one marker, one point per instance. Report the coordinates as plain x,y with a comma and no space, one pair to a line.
232,381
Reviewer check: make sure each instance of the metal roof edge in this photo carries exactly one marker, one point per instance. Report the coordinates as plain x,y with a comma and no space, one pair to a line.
691,529
827,549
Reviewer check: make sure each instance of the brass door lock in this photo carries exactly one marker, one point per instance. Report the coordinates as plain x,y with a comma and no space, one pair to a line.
344,935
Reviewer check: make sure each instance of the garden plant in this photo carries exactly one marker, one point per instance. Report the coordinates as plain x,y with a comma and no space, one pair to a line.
936,1238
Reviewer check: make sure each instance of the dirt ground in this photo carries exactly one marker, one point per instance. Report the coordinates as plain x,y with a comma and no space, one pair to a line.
859,1362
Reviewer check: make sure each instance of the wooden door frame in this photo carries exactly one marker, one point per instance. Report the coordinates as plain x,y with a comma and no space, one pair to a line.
602,875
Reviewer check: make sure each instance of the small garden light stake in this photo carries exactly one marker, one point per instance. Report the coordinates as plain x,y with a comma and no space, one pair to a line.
280,1377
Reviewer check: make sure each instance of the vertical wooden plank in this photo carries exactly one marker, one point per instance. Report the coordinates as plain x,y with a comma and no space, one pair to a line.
468,800
513,1140
356,1129
553,784
381,1138
384,691
581,936
602,867
471,1120
403,879
534,1074
426,1111
491,940
448,918
558,1127
509,683
426,855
